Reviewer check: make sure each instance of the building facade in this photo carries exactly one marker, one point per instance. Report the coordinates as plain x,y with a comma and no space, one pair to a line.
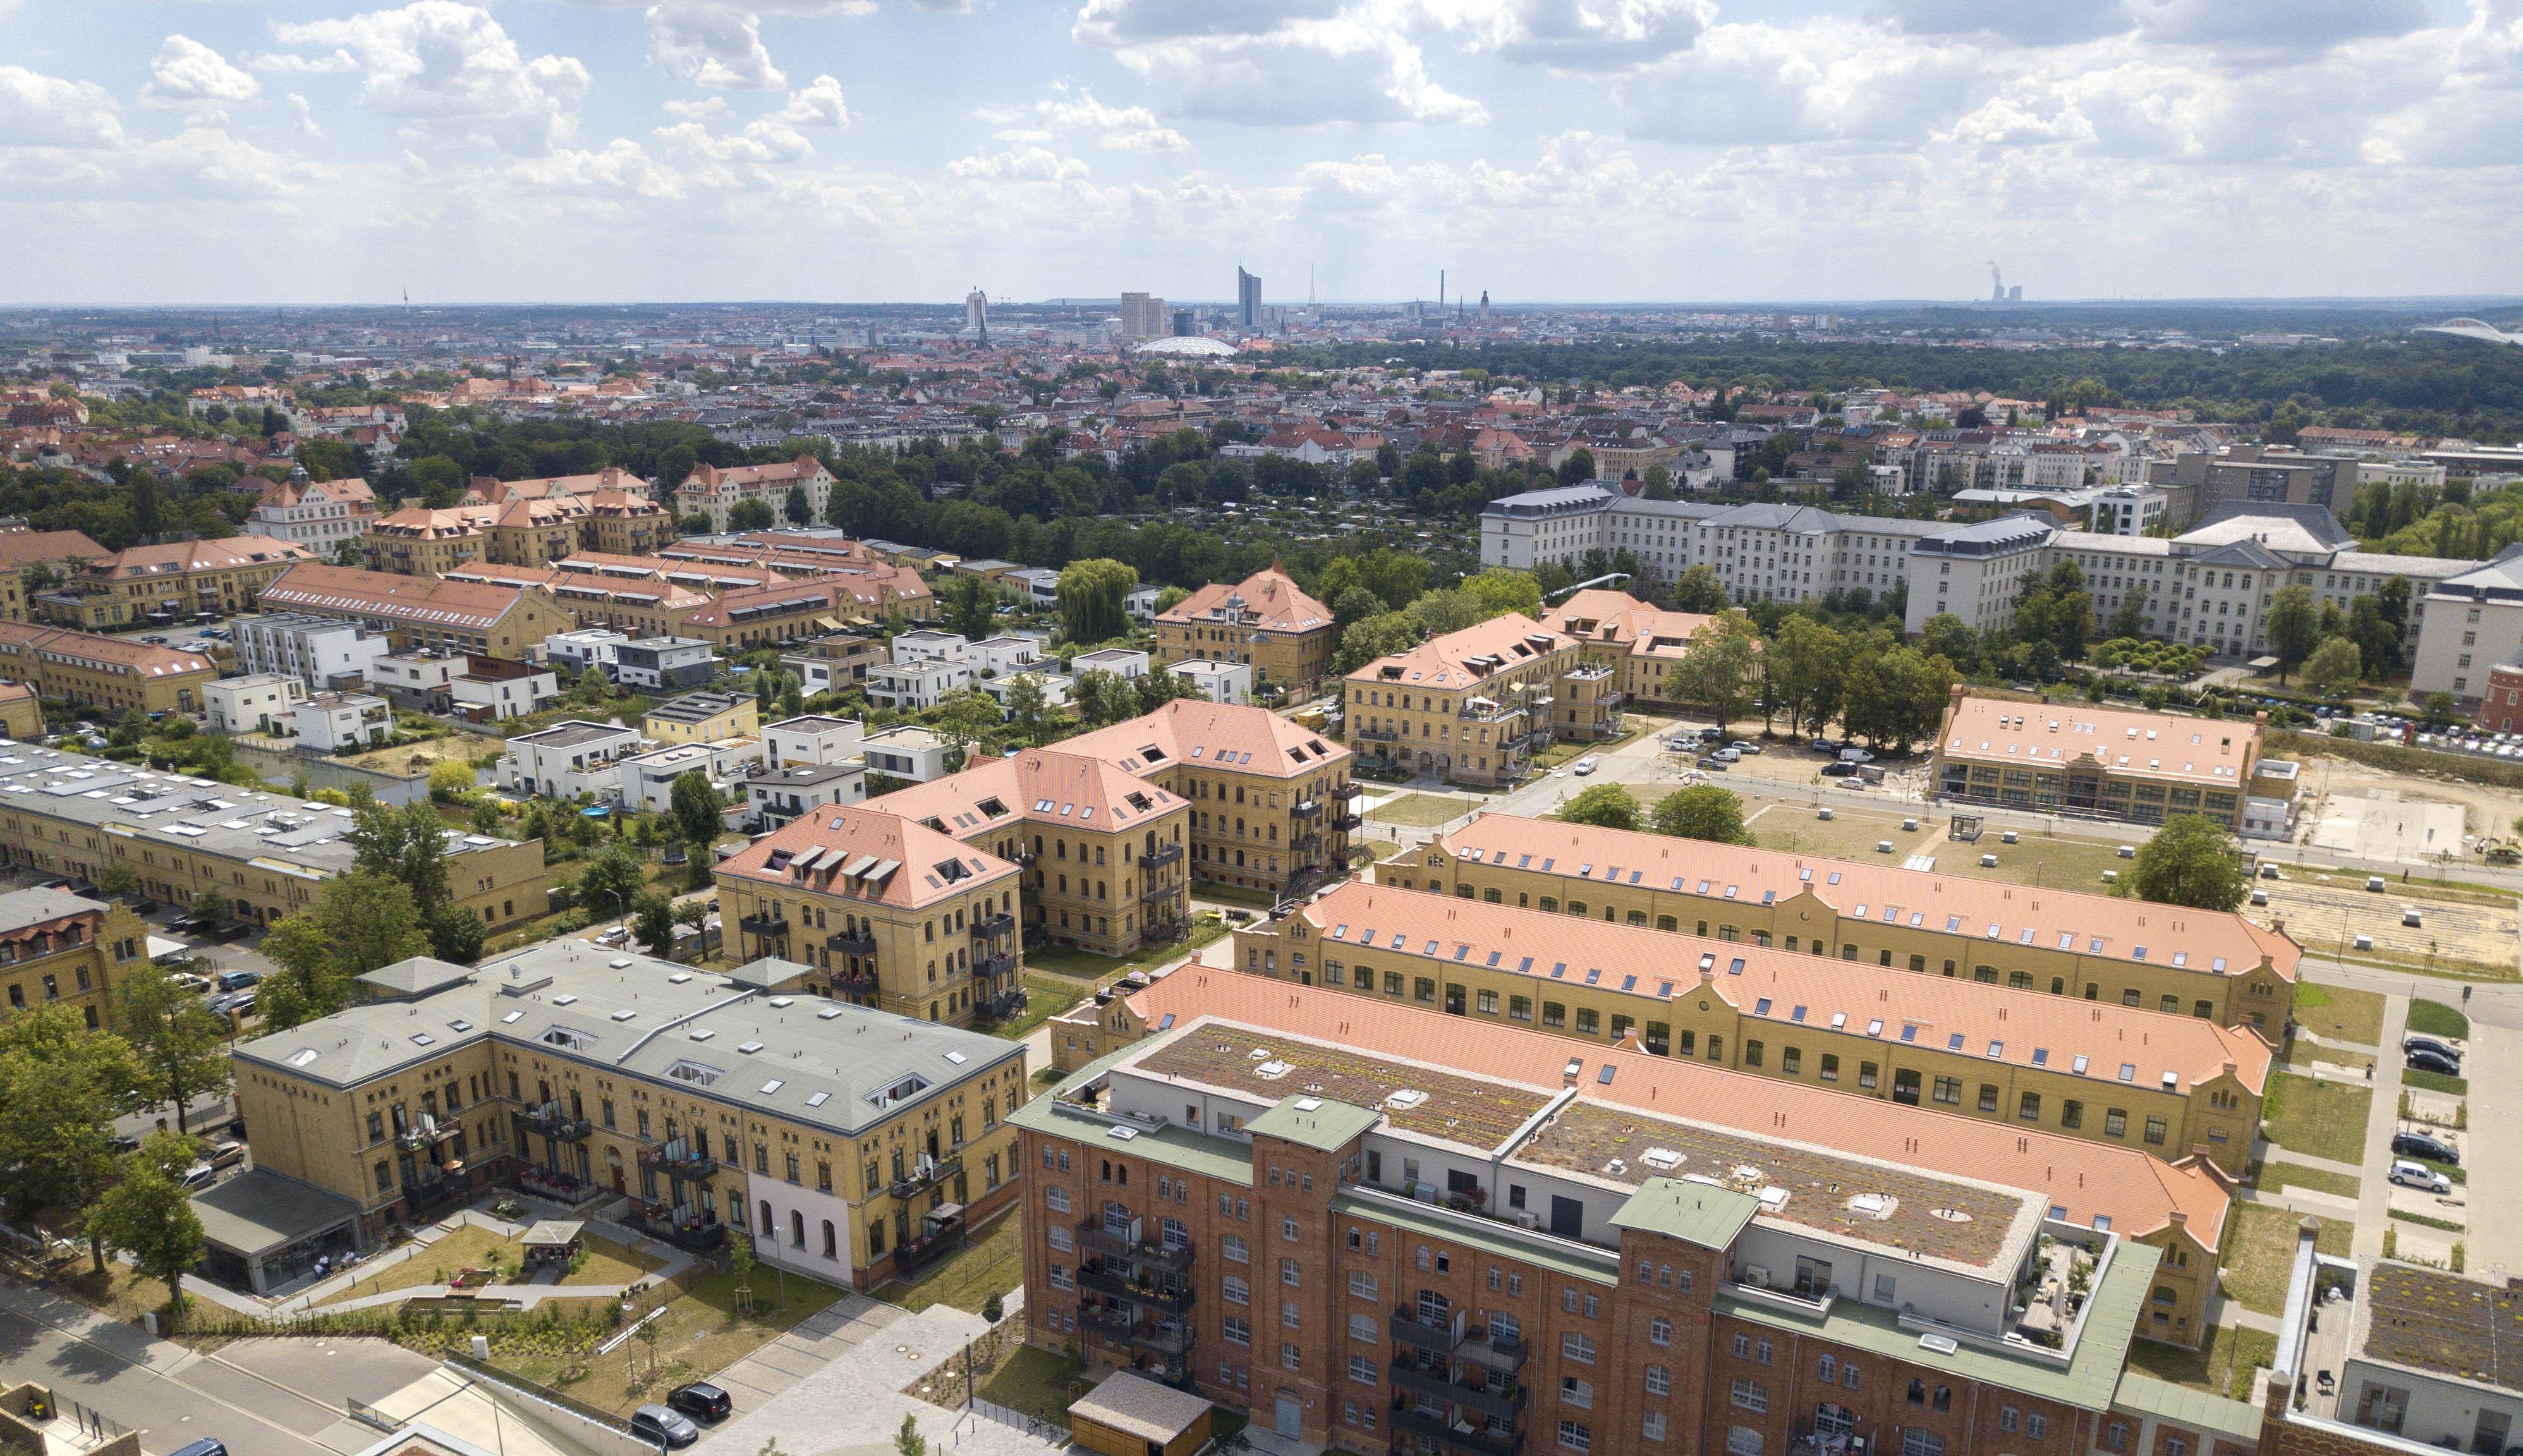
60,948
113,675
1265,621
412,612
715,493
176,580
1477,704
2101,762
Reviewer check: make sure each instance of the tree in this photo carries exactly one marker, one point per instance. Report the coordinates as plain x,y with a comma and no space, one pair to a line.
1806,666
2128,619
2293,626
800,508
1355,604
1579,466
406,844
116,880
653,922
362,922
210,907
61,1088
610,882
1499,591
1607,806
971,606
149,1216
1715,671
1945,636
696,807
1700,590
1656,484
750,515
448,782
1030,710
1702,812
2332,669
1379,635
177,1042
1896,694
965,717
456,934
1093,596
2192,861
908,1441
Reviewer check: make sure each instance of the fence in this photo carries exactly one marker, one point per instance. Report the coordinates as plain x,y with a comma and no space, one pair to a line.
93,1424
369,1415
598,1429
323,773
1032,1426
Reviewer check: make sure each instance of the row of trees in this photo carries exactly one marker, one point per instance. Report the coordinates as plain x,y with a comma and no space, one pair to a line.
1870,681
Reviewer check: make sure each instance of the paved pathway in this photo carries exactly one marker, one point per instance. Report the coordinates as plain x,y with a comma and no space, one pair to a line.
2374,1192
771,1371
856,1399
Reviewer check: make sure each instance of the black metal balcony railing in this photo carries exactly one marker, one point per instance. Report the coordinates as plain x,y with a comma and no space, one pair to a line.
1149,1293
1162,856
1305,807
1099,1240
1117,1325
1478,1441
926,1177
1161,891
549,1121
1350,791
998,965
763,926
1504,1404
700,1235
1470,1340
414,1139
1345,822
854,985
916,1254
678,1159
993,926
847,942
1375,735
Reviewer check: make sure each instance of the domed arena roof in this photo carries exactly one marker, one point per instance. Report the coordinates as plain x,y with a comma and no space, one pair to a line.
1188,345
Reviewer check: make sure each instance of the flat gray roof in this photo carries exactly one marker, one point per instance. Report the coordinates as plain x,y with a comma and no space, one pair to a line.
259,1210
23,907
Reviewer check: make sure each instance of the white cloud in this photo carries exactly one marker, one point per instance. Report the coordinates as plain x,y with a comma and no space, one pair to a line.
1298,63
1124,128
703,43
191,77
1020,165
1826,82
707,106
43,111
450,69
1588,35
304,115
820,103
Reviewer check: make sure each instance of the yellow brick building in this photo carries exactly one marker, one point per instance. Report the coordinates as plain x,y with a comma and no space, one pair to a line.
2171,1083
1640,642
59,947
1265,620
418,541
850,1144
35,561
114,675
174,581
417,612
2109,763
703,717
1476,705
2210,964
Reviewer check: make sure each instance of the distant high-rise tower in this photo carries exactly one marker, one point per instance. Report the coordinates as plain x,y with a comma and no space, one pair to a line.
1248,299
1485,305
1184,328
976,312
1143,316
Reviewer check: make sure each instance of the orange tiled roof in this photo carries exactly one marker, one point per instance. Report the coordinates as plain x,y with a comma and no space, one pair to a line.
420,601
2215,753
1462,659
1188,733
839,847
1267,601
224,554
1045,786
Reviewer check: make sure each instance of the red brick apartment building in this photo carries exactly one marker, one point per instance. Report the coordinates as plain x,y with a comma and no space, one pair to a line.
1316,1209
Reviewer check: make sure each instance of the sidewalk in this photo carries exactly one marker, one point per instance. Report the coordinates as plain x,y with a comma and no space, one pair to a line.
2382,1120
308,1300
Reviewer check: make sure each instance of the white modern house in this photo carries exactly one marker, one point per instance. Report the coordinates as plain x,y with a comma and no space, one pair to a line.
784,794
1125,663
811,739
569,759
262,703
589,647
647,780
1218,681
907,752
322,652
330,722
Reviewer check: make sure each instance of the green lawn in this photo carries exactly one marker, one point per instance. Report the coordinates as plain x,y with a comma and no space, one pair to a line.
1035,1382
2434,1018
2274,1177
1423,811
2319,1119
2340,1015
2223,1363
2259,1252
992,1263
1203,889
1046,997
2436,1082
1096,970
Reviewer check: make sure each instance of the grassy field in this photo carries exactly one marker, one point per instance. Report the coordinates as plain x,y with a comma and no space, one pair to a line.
117,1293
1046,997
1241,895
2319,1119
2259,1250
2436,1082
1850,833
472,1248
2272,1177
2434,1018
2340,1015
699,1335
992,1263
2057,862
2223,1363
1421,811
1035,1382
1096,970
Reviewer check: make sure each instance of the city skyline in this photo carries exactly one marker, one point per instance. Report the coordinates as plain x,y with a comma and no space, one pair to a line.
1549,151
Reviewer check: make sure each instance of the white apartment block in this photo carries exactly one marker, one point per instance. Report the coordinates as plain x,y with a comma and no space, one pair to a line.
588,647
812,741
646,781
568,758
907,752
2126,510
1218,681
1760,552
2210,587
1124,663
322,652
252,705
333,721
2473,622
910,686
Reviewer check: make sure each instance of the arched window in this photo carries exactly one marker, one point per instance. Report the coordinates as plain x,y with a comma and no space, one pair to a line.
797,1229
832,1244
769,1227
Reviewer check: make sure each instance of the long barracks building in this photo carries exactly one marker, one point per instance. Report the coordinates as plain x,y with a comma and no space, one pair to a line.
2103,1071
1272,1201
2206,963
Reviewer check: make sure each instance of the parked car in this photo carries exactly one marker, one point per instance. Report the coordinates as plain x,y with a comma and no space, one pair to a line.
655,1423
237,980
2419,1175
2430,1043
204,1447
238,1004
701,1401
2424,1144
613,936
1585,766
1744,745
1712,735
1840,771
2423,1060
1727,755
1855,756
1821,745
200,1176
185,980
226,1155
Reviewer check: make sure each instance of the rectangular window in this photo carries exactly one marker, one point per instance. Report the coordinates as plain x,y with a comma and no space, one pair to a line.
1361,1284
1362,1369
1753,1054
1652,1426
1949,1090
1742,1440
2114,1123
1831,1066
1751,1395
1574,1437
1577,1347
2155,1130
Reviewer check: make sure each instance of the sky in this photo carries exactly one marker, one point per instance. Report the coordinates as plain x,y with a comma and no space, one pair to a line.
227,152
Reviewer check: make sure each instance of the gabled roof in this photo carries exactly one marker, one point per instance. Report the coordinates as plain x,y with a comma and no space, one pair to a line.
1052,787
1268,601
847,850
1465,658
419,602
1188,733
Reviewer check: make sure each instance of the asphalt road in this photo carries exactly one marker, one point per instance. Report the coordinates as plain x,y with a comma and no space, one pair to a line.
261,1397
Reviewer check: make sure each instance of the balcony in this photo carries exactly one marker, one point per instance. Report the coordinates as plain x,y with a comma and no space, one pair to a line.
1366,734
682,1227
998,965
1159,857
917,1253
1459,1337
549,1121
1161,891
1477,1442
1350,791
847,942
931,1173
1122,1329
1150,1295
1346,823
994,926
431,1131
678,1159
1309,805
768,929
1504,1404
1093,1235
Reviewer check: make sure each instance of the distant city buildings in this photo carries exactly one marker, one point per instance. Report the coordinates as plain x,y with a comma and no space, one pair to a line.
1248,300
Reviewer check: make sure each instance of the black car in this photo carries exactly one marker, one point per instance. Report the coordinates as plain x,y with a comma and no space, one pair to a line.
2424,1060
701,1401
2430,1043
1840,771
2419,1145
655,1423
